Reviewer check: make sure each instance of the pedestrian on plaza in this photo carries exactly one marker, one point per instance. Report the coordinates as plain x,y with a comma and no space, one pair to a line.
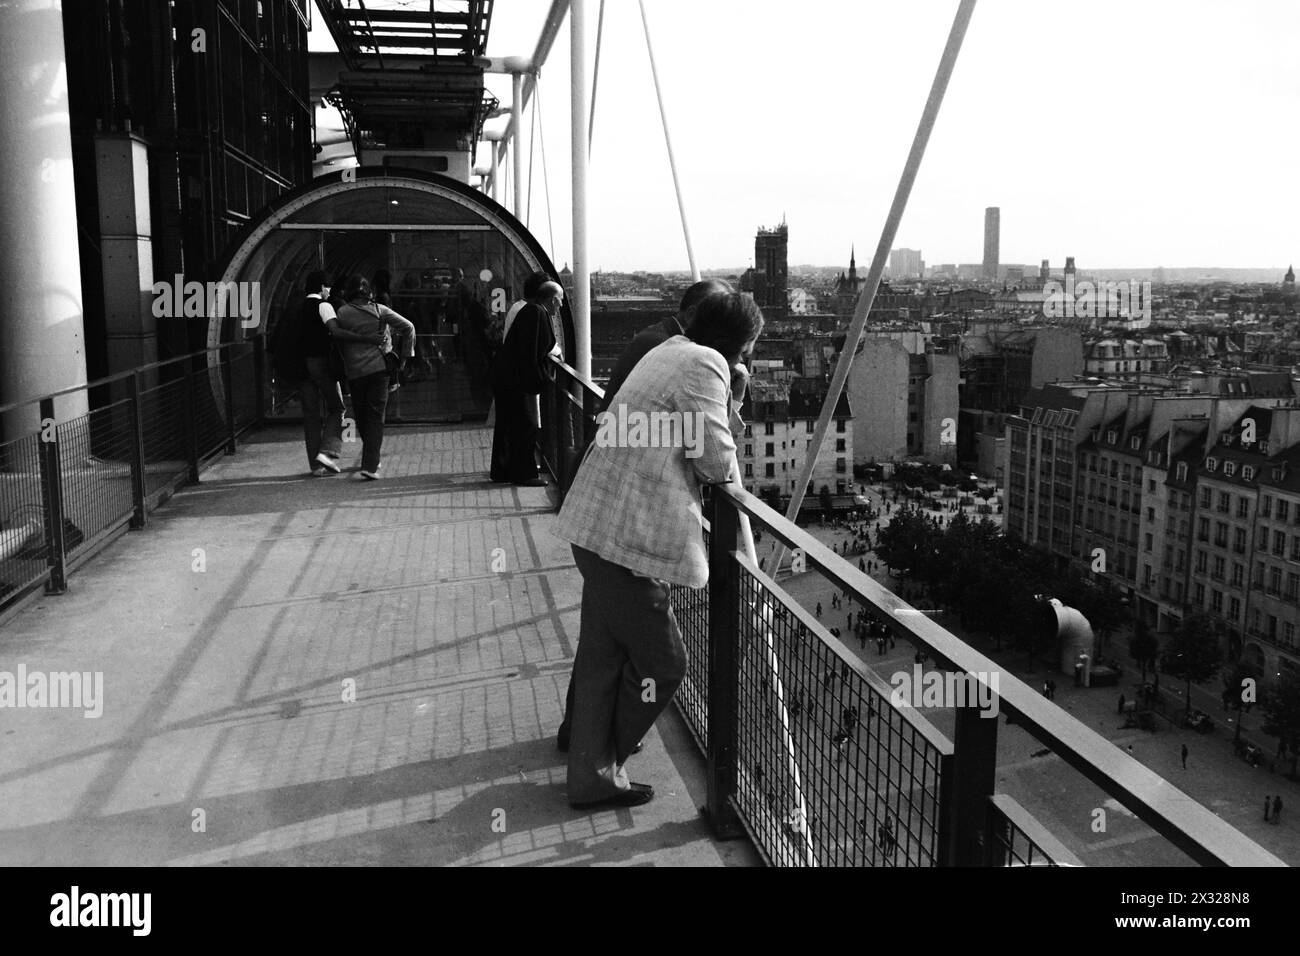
1051,689
819,609
1184,756
1121,704
1277,809
1266,798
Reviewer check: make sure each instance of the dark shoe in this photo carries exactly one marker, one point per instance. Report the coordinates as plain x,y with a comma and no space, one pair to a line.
634,796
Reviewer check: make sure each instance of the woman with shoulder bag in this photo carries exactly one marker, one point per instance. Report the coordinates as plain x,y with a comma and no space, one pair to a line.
368,366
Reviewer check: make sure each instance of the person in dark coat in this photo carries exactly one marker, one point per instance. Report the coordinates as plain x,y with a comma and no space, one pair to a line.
518,375
659,333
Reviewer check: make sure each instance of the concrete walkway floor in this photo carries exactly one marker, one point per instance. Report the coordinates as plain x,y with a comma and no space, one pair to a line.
327,671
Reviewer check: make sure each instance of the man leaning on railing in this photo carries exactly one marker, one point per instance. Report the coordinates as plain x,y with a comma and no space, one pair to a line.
634,517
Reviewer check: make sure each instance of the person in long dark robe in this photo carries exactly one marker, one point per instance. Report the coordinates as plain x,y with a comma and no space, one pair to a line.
519,372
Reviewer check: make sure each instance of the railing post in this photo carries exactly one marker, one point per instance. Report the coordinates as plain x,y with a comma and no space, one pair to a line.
191,426
259,376
563,433
588,417
228,386
724,664
138,489
967,788
52,499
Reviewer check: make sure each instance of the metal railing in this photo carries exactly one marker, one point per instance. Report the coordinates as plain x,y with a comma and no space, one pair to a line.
69,485
808,754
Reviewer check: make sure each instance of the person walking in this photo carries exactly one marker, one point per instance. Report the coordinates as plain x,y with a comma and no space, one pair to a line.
633,518
1121,705
1277,809
1266,799
1184,756
367,372
301,349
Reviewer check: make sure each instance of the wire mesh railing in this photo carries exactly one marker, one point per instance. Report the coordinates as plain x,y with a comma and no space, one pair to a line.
1017,839
810,752
70,482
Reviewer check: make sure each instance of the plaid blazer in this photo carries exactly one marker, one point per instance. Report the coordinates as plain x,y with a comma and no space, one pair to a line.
639,505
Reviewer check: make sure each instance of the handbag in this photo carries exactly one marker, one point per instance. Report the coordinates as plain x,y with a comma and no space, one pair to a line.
392,361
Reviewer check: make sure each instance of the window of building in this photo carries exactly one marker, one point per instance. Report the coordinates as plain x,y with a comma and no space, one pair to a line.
749,451
749,431
1112,437
1234,609
1239,540
1199,591
1288,633
1216,601
1211,464
1283,509
1238,574
1180,473
840,466
1225,502
839,444
1292,585
1217,571
1205,497
1275,580
1266,506
1202,560
771,449
769,470
1243,507
1149,541
1151,514
839,424
769,428
1135,442
749,471
811,426
1221,534
1248,472
1229,469
1202,529
1279,542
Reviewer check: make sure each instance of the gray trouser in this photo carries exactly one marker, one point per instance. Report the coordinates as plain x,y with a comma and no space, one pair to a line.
322,411
630,662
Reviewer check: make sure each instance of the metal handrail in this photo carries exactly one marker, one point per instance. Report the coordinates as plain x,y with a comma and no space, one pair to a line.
129,373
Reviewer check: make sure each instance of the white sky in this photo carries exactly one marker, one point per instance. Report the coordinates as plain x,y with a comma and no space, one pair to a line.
1121,133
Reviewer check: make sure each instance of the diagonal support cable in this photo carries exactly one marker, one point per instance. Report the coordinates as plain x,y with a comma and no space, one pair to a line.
672,162
868,297
595,76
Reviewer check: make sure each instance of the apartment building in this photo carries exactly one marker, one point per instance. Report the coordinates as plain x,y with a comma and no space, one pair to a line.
782,417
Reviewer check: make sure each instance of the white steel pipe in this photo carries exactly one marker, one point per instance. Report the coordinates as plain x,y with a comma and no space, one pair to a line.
868,296
580,307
